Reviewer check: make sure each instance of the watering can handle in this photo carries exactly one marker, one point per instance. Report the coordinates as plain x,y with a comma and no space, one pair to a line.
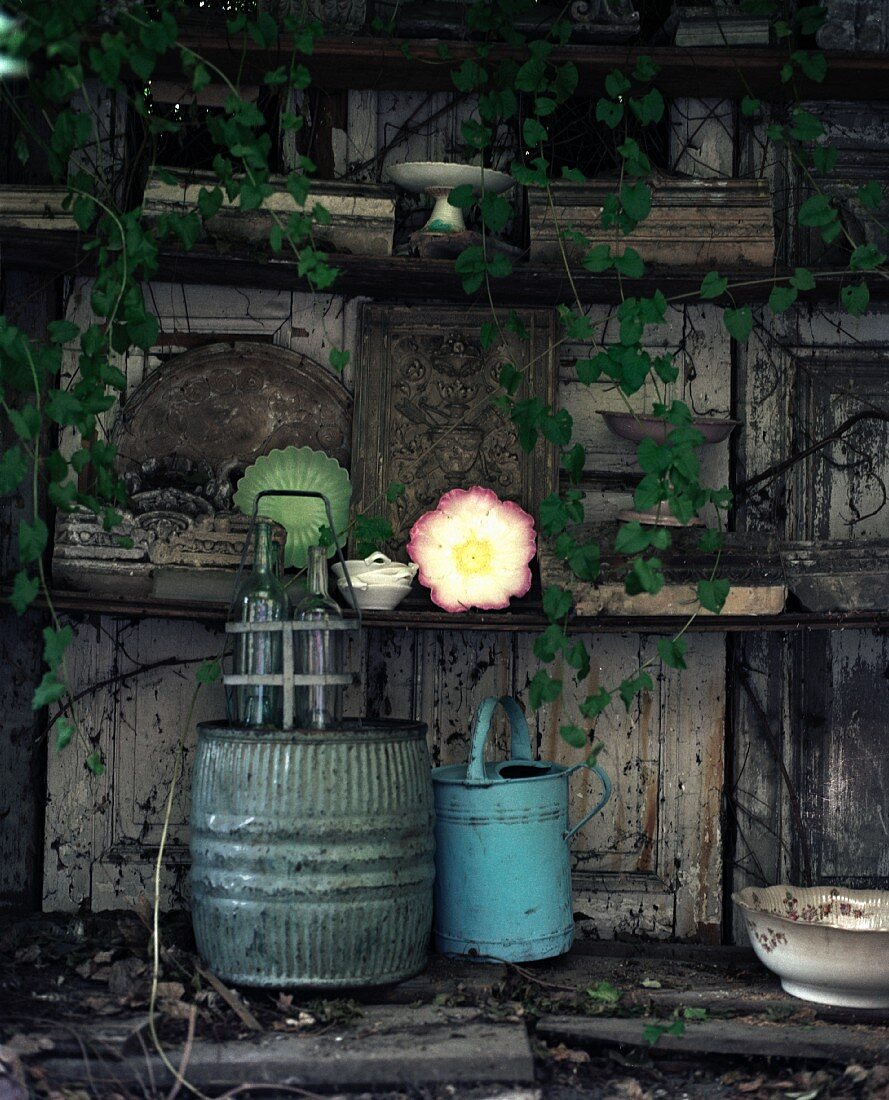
606,794
520,740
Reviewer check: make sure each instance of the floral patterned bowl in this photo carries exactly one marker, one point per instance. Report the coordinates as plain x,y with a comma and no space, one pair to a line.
825,943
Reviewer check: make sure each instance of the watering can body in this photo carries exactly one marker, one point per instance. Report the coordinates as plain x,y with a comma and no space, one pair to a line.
502,863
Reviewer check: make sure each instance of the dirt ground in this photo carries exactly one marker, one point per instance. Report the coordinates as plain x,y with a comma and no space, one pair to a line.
74,997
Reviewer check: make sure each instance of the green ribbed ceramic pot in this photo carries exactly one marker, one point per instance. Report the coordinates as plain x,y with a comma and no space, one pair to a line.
312,853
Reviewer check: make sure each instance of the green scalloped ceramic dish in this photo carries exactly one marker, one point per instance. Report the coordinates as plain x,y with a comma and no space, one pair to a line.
297,468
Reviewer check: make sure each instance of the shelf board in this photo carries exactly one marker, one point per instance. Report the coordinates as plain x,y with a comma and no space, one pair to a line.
396,64
399,278
523,617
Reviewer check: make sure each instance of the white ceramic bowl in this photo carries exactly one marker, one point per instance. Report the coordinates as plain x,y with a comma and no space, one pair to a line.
375,597
825,943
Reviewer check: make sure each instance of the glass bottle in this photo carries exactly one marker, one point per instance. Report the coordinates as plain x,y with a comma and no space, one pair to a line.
318,650
260,599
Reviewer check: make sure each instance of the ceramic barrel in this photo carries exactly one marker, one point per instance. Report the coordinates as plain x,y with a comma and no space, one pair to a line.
312,853
503,886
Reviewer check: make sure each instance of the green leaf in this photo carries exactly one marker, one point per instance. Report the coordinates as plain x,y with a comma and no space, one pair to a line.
394,490
713,285
855,298
578,657
750,106
805,126
55,642
533,133
593,705
510,379
209,202
573,462
548,644
645,576
814,65
64,730
781,298
739,322
817,212
94,763
803,279
339,358
652,1032
369,532
609,112
616,84
824,158
583,561
543,689
32,539
630,263
573,736
650,108
711,541
557,427
597,259
633,685
25,422
557,602
645,69
694,1013
62,332
13,467
462,196
208,672
636,200
866,257
870,195
604,992
672,652
712,594
24,592
49,690
632,538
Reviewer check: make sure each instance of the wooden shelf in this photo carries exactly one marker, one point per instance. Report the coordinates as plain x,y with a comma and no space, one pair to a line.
525,617
396,64
399,278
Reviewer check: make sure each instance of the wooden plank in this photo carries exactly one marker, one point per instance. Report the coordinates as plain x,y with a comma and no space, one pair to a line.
388,1047
728,1037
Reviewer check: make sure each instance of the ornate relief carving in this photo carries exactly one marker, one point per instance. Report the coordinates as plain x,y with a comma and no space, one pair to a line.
424,415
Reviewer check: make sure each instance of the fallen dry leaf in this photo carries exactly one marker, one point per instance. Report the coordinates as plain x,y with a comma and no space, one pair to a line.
19,1045
561,1053
627,1088
170,991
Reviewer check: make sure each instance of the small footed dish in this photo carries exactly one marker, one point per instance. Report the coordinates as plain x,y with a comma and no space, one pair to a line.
826,944
374,596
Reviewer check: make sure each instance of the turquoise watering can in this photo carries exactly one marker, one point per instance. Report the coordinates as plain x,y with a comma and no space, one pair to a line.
502,836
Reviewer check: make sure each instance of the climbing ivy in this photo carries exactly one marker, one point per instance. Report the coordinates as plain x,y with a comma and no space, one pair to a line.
75,48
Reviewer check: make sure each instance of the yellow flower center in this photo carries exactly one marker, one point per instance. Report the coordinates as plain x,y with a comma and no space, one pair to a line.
474,556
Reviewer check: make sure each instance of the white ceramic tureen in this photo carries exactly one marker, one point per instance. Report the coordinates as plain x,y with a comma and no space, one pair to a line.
825,943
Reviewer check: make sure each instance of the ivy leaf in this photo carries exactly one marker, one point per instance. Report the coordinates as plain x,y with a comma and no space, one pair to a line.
712,594
13,467
650,108
870,195
803,279
49,690
25,422
750,106
782,298
636,200
616,84
583,561
713,285
597,259
609,112
865,258
817,212
55,642
573,462
94,763
208,672
24,592
711,541
855,298
510,379
543,689
672,652
645,69
630,688
739,322
557,428
557,602
573,736
577,656
32,539
632,538
462,196
814,65
394,490
548,644
339,358
805,126
64,729
630,263
62,332
593,705
209,202
533,132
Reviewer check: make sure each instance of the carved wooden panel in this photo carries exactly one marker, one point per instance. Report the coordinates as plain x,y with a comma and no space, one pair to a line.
424,415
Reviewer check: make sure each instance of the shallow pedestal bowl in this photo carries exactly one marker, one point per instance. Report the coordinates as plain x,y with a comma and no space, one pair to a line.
438,180
636,427
825,943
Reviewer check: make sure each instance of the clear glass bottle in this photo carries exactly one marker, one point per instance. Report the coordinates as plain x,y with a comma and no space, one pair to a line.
260,599
318,651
